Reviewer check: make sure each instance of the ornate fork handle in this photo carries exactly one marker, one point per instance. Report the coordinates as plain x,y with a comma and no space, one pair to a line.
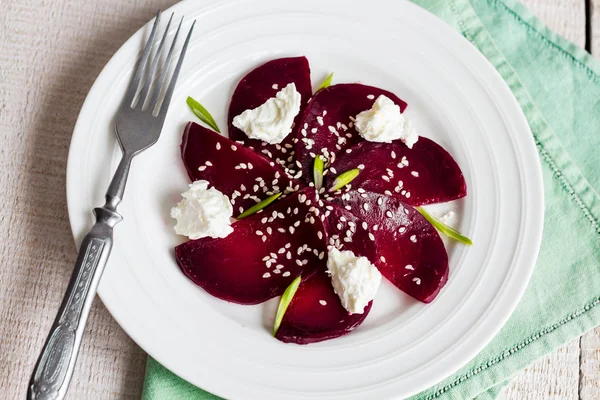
56,362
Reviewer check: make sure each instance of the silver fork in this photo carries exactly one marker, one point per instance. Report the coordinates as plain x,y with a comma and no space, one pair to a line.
137,125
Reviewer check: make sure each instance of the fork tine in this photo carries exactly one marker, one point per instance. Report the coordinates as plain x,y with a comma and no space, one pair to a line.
169,93
163,72
150,75
135,81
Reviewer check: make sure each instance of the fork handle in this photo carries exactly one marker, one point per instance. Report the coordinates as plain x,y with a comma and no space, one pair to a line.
55,365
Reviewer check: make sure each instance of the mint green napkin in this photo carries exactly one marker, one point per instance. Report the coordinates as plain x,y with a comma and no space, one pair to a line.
558,88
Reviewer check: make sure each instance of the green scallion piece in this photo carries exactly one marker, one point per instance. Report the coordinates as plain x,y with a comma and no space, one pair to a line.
326,82
259,206
344,178
318,172
202,113
284,302
445,229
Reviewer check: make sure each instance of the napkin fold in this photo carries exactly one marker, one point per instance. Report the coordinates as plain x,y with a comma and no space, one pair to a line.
558,87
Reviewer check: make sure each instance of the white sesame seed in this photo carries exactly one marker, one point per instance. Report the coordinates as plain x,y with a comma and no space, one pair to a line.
218,146
323,302
292,229
402,229
375,227
361,166
407,195
371,236
414,173
382,258
276,271
202,168
241,209
320,120
393,154
299,263
365,226
208,164
264,238
279,266
385,178
269,230
366,206
250,166
410,267
321,255
417,281
379,201
259,233
286,273
388,193
348,208
266,275
370,97
233,147
413,238
347,239
389,214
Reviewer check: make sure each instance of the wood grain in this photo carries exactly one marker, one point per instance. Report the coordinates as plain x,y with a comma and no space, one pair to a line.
50,54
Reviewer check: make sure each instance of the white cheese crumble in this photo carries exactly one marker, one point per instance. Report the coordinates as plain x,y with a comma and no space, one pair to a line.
384,122
272,121
354,279
203,212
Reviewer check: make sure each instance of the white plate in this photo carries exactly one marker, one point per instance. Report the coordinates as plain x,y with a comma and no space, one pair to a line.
455,97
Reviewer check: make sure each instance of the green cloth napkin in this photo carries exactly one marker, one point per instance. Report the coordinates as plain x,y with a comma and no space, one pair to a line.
558,88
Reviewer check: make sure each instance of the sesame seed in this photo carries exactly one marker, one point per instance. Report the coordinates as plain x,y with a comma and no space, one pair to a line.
320,120
375,227
202,168
241,209
393,154
208,164
281,230
402,229
413,238
389,214
299,263
259,233
292,229
366,206
250,166
348,208
243,187
417,281
288,255
286,273
348,239
277,271
333,170
370,97
266,275
380,201
361,166
233,147
371,236
388,193
218,146
266,258
414,173
275,86
279,266
365,226
410,267
321,255
407,195
382,258
385,178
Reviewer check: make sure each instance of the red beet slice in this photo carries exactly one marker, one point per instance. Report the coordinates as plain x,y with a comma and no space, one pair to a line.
410,253
326,123
346,232
235,268
422,175
231,168
316,314
260,85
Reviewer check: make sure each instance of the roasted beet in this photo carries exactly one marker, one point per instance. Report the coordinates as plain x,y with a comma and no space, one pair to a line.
261,84
316,314
237,268
410,252
231,168
326,121
424,174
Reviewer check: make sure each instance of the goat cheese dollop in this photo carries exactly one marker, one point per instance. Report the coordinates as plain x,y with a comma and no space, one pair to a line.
354,279
203,212
272,121
384,123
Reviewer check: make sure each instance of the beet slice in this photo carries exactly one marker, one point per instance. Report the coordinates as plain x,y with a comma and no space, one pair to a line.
410,252
326,123
216,159
347,232
261,84
424,174
235,268
316,314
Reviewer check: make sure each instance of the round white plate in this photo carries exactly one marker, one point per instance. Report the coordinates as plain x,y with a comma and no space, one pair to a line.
455,97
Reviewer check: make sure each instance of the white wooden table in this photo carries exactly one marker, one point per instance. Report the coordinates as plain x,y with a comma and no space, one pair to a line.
50,54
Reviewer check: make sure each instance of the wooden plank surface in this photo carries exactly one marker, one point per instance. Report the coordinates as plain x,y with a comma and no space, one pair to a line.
51,54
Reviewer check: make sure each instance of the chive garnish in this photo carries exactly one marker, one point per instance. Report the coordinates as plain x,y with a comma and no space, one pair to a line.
445,229
344,178
202,113
284,302
318,172
326,82
259,206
